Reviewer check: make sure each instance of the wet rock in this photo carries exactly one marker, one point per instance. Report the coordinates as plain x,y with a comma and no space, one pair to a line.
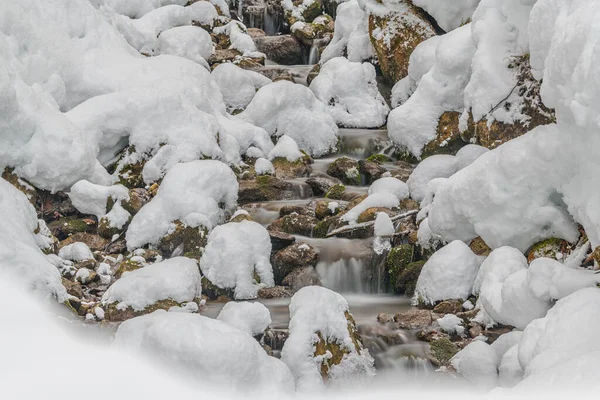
294,224
93,241
285,169
267,188
401,277
282,49
73,288
301,277
336,192
116,314
381,333
189,241
346,170
314,72
291,209
415,319
448,307
276,292
280,240
442,350
554,248
371,170
370,214
298,255
138,197
384,318
223,55
322,227
255,33
67,226
324,209
321,183
479,247
402,170
395,36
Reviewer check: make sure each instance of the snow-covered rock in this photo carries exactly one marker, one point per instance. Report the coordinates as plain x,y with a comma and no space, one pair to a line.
350,91
449,15
89,198
235,252
320,319
285,108
250,317
478,363
381,199
176,279
207,349
287,148
438,166
198,193
190,42
448,274
238,86
262,166
77,251
390,185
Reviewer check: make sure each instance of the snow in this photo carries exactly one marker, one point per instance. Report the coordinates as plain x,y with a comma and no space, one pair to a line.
450,323
89,198
190,42
384,225
449,15
264,167
317,309
238,86
509,371
137,8
414,124
437,166
381,199
176,279
350,91
206,349
468,154
240,40
190,192
77,251
350,35
333,206
250,317
287,148
478,363
501,262
234,253
448,274
390,185
82,275
286,108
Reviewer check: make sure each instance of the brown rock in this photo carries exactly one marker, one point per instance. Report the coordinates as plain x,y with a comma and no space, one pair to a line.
298,255
384,318
321,184
291,209
475,329
415,319
370,214
479,247
223,55
371,170
280,240
294,224
282,49
73,288
94,242
276,292
301,277
448,307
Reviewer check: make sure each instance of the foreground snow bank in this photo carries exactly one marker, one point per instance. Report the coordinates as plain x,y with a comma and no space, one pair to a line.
198,193
237,253
207,349
350,91
252,318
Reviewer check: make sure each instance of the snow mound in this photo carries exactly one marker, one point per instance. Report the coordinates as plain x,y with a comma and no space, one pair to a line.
448,274
285,108
449,15
77,251
262,166
287,148
176,279
89,198
208,349
195,193
478,363
313,310
235,252
250,317
240,40
190,42
238,86
20,256
452,324
390,185
468,154
381,199
437,166
350,91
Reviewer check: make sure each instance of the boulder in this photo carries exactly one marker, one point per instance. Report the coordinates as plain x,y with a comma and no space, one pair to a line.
554,248
321,183
336,192
294,224
189,240
275,292
64,227
448,307
266,188
346,170
280,240
282,49
285,169
301,277
371,170
442,350
415,319
93,241
298,255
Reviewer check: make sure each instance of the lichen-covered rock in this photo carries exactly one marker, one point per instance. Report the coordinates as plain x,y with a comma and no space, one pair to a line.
93,241
551,248
320,183
442,350
322,227
64,227
346,170
296,256
479,247
191,240
285,169
128,265
336,192
397,260
415,319
265,188
294,224
324,209
395,31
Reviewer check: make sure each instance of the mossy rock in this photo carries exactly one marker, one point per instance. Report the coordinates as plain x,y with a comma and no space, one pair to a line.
294,224
322,227
548,248
406,280
443,350
112,314
370,214
323,210
130,175
479,247
241,217
127,265
193,240
347,170
22,185
67,226
449,138
265,188
379,158
397,262
336,192
285,169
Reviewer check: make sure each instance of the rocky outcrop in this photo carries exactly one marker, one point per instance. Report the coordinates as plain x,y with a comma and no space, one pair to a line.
282,49
296,256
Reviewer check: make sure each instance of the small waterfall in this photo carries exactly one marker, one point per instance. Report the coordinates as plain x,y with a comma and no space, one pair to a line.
313,56
342,276
271,23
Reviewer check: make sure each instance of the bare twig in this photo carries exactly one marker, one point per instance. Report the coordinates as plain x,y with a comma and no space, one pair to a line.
350,228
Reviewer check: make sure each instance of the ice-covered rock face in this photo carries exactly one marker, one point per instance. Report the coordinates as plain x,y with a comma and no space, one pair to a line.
351,94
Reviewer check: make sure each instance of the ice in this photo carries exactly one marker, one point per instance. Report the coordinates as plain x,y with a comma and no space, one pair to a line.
177,279
77,251
195,193
206,349
317,309
238,86
448,274
262,166
250,317
286,108
437,166
350,91
235,252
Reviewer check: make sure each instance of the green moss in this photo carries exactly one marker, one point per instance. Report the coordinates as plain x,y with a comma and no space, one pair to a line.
116,315
322,227
192,238
397,260
443,350
406,280
127,266
336,192
546,248
379,158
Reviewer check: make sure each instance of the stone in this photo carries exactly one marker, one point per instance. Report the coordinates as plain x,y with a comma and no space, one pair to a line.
298,255
346,170
67,226
192,240
93,241
294,224
241,217
276,292
371,170
293,209
479,247
415,319
280,240
370,214
127,265
285,169
222,55
275,338
409,205
301,277
107,231
442,350
281,49
119,246
321,183
73,288
265,188
475,330
255,32
324,209
322,227
22,185
448,307
336,192
402,170
138,197
554,248
384,318
114,314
